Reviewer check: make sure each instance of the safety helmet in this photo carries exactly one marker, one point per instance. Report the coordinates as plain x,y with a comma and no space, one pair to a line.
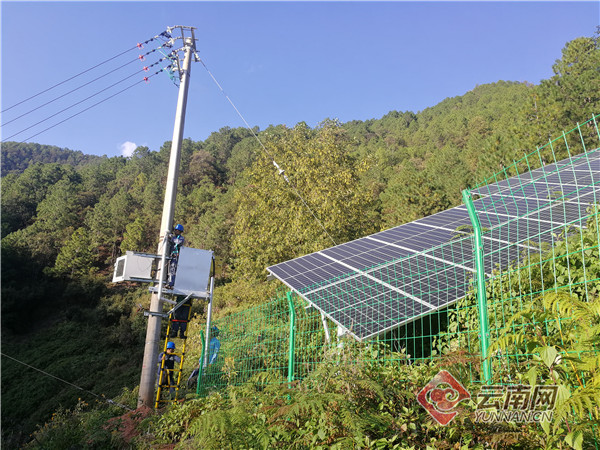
171,344
179,227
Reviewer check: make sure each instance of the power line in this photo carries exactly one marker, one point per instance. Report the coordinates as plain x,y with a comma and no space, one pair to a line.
82,86
90,107
81,101
101,397
279,169
85,71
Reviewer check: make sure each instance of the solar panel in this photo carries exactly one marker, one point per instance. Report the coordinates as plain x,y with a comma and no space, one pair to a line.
382,281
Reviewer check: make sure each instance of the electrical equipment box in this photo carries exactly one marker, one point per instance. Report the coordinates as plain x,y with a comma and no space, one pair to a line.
192,277
193,272
134,267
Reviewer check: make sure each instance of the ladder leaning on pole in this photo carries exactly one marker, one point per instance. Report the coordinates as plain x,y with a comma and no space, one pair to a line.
178,319
195,280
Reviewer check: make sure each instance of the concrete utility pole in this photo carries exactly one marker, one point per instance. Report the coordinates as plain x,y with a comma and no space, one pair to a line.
149,365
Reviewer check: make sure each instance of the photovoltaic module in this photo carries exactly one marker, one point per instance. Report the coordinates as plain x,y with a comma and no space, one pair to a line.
382,281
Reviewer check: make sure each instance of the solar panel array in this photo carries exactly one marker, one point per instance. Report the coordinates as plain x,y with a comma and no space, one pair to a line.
379,282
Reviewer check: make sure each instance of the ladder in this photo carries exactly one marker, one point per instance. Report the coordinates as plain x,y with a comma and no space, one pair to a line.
167,392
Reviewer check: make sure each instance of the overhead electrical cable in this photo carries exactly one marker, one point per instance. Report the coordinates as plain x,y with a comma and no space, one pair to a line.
279,169
101,397
139,45
82,86
145,79
85,99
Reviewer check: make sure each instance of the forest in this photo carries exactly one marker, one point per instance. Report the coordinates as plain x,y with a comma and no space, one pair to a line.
67,216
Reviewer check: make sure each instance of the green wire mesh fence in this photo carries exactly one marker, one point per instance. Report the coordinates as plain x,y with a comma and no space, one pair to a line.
546,290
254,346
523,269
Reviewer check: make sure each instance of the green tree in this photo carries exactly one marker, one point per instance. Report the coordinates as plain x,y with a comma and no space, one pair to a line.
60,210
97,177
211,218
570,96
576,81
243,154
135,237
21,194
202,166
18,156
410,195
272,224
77,256
220,146
108,220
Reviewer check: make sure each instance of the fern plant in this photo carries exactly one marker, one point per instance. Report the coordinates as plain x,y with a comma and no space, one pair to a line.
567,357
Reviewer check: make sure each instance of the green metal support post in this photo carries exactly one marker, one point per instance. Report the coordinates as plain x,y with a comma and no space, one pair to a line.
292,337
481,296
200,364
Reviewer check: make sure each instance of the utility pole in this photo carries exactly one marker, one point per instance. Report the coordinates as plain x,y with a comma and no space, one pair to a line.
149,365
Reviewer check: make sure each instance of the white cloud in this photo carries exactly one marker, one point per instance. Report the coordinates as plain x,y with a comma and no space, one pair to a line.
127,148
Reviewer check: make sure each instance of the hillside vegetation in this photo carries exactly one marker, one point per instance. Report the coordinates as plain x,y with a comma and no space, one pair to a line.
66,217
17,157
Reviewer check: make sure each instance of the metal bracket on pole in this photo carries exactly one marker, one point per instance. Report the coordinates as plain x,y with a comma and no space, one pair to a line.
188,37
481,295
156,314
178,305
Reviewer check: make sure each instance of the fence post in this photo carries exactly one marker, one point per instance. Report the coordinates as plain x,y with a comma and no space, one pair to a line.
292,336
481,296
200,365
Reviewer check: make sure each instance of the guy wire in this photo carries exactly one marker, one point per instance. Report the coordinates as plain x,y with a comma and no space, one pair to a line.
281,171
101,397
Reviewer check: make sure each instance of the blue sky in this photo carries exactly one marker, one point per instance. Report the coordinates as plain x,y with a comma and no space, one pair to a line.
279,62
